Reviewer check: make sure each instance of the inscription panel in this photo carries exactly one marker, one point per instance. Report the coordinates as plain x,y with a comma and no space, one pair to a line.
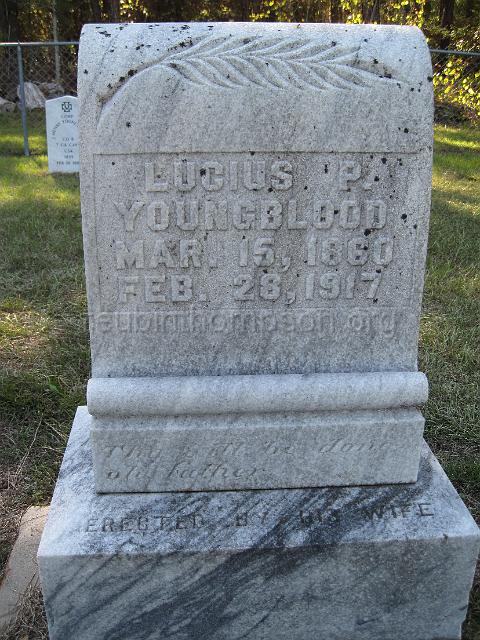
251,230
315,516
252,262
261,221
234,460
229,456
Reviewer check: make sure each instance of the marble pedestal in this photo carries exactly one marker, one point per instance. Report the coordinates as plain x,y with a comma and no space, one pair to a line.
240,432
365,563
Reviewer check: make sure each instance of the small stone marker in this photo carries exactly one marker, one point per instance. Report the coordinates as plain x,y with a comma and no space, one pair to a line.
255,203
62,134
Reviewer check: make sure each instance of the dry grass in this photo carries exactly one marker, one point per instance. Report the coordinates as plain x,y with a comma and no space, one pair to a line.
30,623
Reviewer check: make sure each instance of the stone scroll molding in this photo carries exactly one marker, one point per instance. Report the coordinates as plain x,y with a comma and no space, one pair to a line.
272,63
197,395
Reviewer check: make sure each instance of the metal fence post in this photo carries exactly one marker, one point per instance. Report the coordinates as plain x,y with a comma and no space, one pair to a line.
23,106
55,37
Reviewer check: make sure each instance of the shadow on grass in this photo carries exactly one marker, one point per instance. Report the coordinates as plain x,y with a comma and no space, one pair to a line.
44,352
39,393
11,133
459,166
14,171
458,138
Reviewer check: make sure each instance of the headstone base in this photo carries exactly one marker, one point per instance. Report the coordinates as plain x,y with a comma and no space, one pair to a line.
368,563
228,433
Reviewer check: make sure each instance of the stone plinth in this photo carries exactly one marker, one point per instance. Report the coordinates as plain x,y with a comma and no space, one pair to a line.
366,563
237,432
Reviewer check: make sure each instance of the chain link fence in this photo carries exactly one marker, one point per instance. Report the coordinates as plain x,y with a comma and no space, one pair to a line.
456,81
31,72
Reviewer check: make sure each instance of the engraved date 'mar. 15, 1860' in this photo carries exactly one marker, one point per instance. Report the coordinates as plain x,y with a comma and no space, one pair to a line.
250,228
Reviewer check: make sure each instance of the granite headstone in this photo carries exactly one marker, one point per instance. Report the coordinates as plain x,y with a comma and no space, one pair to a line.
255,202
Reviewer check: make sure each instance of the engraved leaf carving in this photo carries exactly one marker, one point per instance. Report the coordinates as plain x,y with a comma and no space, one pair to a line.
276,62
271,62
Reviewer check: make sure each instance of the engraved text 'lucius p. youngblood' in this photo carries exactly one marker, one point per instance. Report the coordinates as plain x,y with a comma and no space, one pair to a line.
245,228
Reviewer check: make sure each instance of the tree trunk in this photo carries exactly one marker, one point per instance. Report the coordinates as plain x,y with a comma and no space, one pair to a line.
469,9
335,11
95,11
371,13
114,10
365,12
375,12
3,20
9,27
9,32
241,10
427,9
447,9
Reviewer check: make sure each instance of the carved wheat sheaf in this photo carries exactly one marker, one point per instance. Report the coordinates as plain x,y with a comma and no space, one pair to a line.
274,62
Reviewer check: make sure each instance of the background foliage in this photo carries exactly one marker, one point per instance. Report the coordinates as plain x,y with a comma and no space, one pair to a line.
448,24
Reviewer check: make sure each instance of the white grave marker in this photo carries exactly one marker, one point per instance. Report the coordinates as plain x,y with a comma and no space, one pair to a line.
62,134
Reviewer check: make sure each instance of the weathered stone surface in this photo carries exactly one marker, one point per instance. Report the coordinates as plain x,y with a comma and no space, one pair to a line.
62,134
220,432
34,98
309,166
235,451
6,106
366,563
255,201
200,395
21,571
232,432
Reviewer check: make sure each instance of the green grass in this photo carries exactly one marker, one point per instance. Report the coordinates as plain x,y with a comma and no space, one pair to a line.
44,357
11,139
450,328
43,340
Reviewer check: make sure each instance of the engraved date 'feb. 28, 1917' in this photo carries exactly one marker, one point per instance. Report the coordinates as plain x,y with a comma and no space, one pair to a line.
237,230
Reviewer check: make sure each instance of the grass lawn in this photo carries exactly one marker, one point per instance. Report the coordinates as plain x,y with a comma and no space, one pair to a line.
44,355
